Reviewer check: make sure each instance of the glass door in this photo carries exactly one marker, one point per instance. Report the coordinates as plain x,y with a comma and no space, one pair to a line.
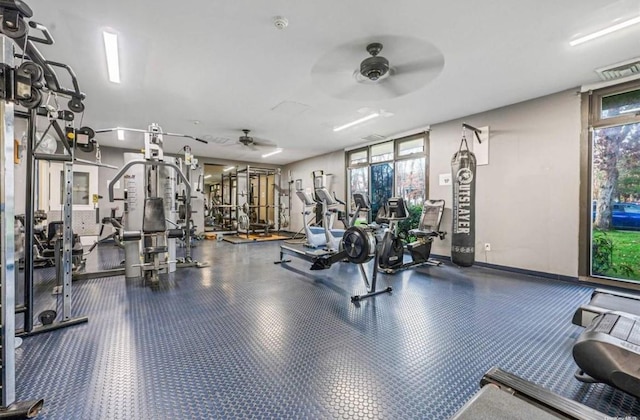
381,186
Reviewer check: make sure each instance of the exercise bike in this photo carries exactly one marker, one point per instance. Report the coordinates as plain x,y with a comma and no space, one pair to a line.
391,256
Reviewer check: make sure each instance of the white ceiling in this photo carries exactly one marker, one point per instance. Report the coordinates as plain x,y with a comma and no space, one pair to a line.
224,64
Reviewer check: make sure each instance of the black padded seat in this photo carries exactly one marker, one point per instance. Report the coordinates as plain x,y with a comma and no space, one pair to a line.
154,220
175,233
429,226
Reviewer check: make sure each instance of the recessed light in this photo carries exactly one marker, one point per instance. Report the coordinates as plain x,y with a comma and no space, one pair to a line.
605,31
275,152
207,176
228,169
111,51
358,121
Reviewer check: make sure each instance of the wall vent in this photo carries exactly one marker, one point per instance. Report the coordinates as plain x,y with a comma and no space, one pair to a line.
374,137
620,70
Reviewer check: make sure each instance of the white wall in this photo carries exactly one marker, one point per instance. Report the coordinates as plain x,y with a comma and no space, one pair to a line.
527,198
333,164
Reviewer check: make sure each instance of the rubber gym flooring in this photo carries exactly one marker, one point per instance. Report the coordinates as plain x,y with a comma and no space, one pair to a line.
245,338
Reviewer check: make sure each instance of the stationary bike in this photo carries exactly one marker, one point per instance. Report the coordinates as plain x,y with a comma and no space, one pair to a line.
391,256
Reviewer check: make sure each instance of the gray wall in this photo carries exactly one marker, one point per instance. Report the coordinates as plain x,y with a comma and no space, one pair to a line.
528,196
331,163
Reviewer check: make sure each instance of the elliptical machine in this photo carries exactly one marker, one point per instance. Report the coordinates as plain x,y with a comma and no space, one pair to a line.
391,257
315,235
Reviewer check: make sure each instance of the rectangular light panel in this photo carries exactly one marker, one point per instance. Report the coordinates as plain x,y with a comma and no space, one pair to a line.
113,60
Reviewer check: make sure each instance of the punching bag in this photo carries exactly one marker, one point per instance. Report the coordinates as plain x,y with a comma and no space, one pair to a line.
463,174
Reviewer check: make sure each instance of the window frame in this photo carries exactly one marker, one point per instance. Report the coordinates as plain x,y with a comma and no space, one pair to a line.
591,121
396,158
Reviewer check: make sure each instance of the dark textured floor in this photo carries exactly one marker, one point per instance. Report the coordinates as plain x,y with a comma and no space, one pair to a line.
246,338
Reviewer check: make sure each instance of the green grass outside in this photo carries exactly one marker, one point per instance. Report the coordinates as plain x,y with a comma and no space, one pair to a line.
625,255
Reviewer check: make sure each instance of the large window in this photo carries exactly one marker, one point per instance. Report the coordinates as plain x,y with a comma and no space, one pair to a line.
615,183
392,168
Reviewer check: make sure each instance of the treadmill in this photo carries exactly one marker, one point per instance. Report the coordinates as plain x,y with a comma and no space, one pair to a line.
506,396
602,301
608,350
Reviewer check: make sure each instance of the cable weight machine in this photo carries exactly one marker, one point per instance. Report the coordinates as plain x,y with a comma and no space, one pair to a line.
149,195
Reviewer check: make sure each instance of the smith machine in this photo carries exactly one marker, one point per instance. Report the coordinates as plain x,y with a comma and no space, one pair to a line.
26,77
150,203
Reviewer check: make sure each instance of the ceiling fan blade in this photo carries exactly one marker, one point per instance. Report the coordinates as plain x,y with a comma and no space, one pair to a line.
393,87
419,66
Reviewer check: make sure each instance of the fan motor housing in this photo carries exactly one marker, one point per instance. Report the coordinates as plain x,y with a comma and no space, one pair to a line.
374,68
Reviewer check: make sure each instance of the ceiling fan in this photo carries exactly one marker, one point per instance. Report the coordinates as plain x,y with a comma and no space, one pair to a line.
249,142
346,72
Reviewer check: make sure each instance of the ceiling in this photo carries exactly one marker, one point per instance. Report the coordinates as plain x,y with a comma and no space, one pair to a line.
210,68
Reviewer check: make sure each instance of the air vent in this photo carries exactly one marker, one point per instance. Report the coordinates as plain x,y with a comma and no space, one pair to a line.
374,137
620,70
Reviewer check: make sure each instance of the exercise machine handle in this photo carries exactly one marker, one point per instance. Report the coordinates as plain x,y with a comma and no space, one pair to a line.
47,40
126,167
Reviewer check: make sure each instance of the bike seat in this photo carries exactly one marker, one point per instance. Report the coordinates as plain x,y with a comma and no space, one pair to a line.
17,5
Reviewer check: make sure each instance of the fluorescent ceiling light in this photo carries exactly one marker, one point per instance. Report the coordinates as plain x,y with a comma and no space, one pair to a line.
630,110
207,176
111,50
358,121
275,152
605,31
228,169
120,135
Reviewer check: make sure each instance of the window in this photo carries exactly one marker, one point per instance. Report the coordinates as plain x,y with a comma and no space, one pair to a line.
80,188
85,185
409,147
394,168
614,228
382,152
620,104
358,157
410,180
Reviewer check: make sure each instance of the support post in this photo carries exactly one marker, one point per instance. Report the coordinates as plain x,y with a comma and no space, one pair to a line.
7,245
29,221
67,241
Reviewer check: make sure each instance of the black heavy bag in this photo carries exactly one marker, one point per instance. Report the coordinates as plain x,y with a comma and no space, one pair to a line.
463,174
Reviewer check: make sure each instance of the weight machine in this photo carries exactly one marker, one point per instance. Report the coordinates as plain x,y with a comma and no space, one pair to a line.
26,84
150,198
257,200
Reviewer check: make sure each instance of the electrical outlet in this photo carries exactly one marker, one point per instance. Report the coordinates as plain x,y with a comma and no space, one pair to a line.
487,247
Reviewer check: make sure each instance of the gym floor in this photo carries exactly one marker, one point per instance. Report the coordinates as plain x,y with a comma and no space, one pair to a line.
246,338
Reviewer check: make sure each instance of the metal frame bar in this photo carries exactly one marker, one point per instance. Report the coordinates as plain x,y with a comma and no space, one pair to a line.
476,131
7,244
67,241
29,221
